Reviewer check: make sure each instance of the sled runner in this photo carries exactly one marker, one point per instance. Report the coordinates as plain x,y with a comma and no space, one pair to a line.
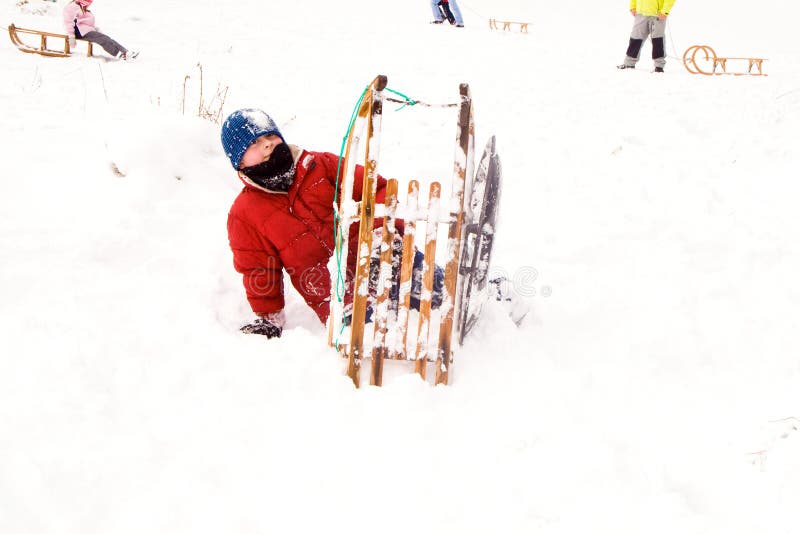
41,47
480,214
470,211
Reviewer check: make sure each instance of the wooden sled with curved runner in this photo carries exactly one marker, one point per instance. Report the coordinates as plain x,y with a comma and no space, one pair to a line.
719,65
41,47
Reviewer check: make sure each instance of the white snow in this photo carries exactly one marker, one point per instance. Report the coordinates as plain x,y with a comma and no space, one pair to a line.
654,390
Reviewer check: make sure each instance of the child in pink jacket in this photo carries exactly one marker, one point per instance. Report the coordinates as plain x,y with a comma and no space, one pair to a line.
79,24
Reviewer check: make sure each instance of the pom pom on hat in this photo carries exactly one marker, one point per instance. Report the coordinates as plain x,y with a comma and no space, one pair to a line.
84,3
241,128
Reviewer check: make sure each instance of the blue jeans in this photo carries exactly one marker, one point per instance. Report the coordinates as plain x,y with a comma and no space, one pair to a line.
437,294
437,15
416,283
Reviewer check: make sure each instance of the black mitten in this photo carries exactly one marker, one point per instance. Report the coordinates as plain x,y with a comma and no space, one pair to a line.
263,327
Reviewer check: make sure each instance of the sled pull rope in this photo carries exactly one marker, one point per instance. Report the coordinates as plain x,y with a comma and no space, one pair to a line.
337,238
407,101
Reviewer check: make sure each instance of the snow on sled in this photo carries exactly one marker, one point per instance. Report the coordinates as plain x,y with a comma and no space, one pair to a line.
468,217
41,46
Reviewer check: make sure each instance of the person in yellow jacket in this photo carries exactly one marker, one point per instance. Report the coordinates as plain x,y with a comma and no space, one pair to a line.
649,18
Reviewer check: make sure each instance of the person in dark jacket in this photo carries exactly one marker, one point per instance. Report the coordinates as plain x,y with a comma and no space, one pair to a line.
283,219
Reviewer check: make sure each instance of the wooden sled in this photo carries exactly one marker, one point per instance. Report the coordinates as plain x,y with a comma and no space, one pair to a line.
507,25
42,49
449,215
754,64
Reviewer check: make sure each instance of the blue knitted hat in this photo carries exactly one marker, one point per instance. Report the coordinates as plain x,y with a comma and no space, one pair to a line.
241,128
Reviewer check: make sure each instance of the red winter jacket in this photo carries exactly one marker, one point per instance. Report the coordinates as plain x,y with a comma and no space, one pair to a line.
272,231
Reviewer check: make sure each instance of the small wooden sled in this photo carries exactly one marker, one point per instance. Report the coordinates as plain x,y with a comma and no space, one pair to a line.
42,49
507,25
468,218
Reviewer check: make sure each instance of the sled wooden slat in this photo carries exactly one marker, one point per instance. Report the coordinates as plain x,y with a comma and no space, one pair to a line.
426,291
398,350
14,33
381,311
361,283
463,167
347,211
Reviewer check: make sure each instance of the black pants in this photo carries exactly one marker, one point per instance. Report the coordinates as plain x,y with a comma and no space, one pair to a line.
111,47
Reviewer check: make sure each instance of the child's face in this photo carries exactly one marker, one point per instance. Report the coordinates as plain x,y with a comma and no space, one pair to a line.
260,150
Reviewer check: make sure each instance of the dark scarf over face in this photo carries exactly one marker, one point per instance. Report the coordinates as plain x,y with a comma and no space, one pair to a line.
275,174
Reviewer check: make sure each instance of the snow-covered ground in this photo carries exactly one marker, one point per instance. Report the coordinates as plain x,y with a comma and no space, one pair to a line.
654,390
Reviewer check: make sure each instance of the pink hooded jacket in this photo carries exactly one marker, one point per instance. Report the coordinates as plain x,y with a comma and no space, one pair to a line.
76,14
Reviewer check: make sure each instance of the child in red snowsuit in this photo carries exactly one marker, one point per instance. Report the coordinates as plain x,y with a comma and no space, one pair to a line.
283,219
